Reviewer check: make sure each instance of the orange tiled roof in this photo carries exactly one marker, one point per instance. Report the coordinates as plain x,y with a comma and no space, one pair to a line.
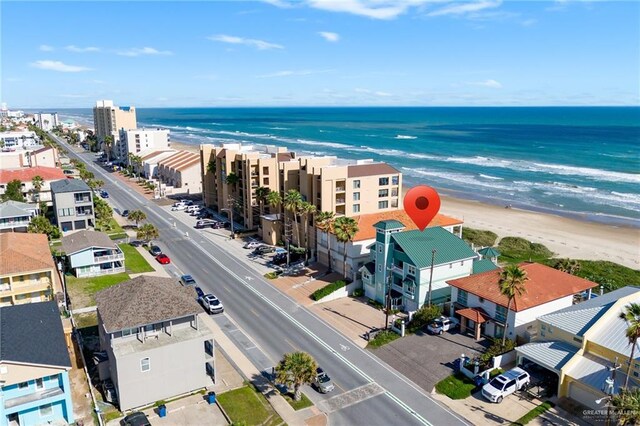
23,252
27,173
366,231
545,284
477,315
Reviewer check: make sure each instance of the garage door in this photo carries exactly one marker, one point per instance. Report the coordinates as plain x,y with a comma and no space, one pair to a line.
584,397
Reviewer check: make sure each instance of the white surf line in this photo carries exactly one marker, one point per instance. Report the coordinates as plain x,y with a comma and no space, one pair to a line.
284,313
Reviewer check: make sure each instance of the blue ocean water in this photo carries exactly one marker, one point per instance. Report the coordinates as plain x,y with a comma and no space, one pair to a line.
581,162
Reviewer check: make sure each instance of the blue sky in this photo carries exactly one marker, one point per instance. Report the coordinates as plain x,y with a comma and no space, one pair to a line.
320,52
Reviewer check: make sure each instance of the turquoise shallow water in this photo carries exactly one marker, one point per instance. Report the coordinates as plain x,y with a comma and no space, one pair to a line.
579,162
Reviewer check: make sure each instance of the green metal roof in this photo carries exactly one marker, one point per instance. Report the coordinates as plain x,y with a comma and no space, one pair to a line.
387,225
483,265
489,252
418,245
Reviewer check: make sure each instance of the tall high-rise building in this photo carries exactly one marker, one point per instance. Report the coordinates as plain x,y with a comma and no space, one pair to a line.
109,119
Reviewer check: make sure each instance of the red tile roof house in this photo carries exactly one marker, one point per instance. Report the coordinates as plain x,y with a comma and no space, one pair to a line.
26,175
482,309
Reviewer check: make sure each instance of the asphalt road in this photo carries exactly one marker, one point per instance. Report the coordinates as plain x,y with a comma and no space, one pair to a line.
266,324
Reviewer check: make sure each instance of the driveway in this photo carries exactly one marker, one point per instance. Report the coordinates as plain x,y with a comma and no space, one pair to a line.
427,359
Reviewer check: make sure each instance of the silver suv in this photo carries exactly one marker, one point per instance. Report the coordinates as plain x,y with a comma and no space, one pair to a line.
323,381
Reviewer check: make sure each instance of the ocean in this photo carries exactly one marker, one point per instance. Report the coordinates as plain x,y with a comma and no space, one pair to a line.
579,162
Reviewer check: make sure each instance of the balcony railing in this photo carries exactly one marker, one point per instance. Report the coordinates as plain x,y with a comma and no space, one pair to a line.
340,200
397,270
84,213
83,200
107,258
5,225
33,397
108,271
341,188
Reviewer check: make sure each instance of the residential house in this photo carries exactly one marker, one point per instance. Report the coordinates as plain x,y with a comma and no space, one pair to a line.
16,216
134,141
583,344
27,270
91,253
358,251
156,338
13,140
180,173
483,309
25,176
31,156
34,366
405,265
46,120
73,204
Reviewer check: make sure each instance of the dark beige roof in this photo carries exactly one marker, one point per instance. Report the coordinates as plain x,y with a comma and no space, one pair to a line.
81,240
360,170
144,300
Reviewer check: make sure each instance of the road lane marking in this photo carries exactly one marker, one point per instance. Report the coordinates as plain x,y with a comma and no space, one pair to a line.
352,397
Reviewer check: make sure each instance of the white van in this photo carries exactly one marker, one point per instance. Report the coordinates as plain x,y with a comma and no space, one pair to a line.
179,206
191,209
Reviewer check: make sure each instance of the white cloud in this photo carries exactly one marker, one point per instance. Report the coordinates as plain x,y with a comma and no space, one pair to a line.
528,22
46,48
77,49
58,66
135,51
287,73
258,44
376,9
332,37
493,84
465,8
373,92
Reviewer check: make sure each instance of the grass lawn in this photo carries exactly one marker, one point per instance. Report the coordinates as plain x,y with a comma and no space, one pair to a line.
297,405
90,319
248,406
383,338
133,260
456,386
545,406
82,290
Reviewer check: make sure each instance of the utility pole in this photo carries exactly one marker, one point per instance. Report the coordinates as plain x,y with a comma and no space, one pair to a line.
433,258
388,297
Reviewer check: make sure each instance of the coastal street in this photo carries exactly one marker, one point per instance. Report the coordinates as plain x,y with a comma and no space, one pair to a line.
367,390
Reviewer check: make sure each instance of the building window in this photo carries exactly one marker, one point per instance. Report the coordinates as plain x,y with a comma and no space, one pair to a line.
383,193
379,268
501,314
46,410
411,270
379,248
356,208
499,331
394,192
394,180
145,364
411,288
127,332
462,297
451,266
356,196
39,383
481,299
394,202
356,184
383,204
23,385
383,181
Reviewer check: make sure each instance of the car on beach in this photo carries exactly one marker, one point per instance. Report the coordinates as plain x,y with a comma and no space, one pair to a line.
163,259
505,384
212,304
442,324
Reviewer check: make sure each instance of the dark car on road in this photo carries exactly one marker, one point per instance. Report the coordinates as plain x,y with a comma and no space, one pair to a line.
187,280
104,194
155,250
125,213
199,293
136,419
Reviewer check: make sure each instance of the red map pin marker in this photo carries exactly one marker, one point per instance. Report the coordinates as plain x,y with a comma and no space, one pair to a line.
422,203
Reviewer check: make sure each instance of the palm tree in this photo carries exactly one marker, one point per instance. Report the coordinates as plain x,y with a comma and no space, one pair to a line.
108,143
345,229
211,166
297,369
631,315
37,183
147,232
137,216
512,279
262,192
324,222
306,209
627,406
274,199
291,203
232,179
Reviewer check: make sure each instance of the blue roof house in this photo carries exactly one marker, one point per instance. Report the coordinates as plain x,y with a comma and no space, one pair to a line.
409,260
34,366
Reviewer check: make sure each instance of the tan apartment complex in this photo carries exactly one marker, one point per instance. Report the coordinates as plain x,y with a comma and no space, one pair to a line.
180,173
108,119
347,188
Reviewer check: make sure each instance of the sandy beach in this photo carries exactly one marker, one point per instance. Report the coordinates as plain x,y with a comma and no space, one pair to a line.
566,237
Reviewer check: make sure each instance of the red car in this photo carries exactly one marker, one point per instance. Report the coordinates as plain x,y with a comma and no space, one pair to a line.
163,259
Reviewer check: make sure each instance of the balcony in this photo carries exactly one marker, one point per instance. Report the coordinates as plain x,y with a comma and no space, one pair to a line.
33,397
341,187
340,201
108,258
83,200
14,224
107,271
84,213
25,286
397,270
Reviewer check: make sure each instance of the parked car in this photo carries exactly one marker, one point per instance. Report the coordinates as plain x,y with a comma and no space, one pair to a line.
104,194
281,258
178,206
155,250
442,324
323,382
199,293
212,304
163,259
264,249
68,172
505,384
187,280
136,419
252,245
208,223
203,214
125,213
136,243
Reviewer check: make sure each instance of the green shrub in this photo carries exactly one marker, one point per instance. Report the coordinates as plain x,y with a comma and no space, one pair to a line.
327,290
611,275
358,292
516,249
382,338
424,316
159,403
375,304
479,237
456,386
496,349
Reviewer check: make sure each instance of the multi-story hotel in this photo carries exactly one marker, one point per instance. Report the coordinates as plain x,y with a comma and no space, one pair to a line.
347,188
108,119
133,141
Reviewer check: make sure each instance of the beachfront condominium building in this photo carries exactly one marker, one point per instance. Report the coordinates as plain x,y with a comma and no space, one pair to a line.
134,141
108,119
179,174
46,120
